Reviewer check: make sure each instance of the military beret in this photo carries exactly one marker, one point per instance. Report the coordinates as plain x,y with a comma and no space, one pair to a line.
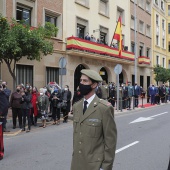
92,74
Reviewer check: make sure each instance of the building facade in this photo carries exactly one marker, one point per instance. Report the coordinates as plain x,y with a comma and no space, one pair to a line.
159,31
75,18
34,13
141,13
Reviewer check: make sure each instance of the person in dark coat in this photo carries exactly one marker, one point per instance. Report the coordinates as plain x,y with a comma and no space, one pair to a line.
4,103
152,93
162,93
16,107
137,93
112,92
66,97
124,95
26,108
55,99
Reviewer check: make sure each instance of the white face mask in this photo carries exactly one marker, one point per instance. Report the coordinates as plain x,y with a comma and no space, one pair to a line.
65,89
41,94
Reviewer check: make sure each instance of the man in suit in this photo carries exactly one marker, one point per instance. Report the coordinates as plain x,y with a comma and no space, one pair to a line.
95,133
130,95
124,95
137,92
152,93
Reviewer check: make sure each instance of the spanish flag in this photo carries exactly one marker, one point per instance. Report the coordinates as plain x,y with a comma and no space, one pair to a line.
118,35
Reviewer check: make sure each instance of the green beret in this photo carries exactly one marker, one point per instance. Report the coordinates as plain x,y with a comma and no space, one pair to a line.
92,74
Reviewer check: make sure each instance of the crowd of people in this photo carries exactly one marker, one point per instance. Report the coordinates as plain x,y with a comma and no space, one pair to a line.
28,104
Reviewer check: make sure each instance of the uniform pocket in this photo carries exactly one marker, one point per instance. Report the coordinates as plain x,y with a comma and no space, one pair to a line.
93,129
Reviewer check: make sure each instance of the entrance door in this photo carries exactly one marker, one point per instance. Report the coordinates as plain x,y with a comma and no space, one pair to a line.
103,74
77,75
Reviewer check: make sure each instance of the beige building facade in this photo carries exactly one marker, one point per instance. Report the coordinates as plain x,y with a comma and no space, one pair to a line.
159,38
143,39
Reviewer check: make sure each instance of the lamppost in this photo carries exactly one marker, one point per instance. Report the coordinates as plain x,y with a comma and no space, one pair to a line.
135,69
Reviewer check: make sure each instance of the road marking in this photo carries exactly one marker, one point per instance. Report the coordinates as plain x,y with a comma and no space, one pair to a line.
158,114
142,119
127,146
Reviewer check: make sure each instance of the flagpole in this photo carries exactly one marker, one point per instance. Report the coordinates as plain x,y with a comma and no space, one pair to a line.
114,32
135,70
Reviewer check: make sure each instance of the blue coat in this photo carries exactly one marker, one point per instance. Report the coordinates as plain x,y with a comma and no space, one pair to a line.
137,91
152,91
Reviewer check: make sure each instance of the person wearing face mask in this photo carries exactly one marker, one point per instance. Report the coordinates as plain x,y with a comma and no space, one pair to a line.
55,98
130,95
137,93
42,105
25,108
34,110
7,93
94,128
16,107
152,92
66,97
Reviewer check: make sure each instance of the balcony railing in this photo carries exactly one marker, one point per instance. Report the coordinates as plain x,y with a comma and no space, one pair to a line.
144,60
74,43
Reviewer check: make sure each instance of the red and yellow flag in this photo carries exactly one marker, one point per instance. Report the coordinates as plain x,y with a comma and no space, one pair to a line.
118,35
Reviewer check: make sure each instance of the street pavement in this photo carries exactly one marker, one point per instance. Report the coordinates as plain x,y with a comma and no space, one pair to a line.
143,143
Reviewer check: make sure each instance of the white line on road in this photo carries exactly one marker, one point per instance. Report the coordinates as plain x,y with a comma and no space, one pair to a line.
127,146
159,114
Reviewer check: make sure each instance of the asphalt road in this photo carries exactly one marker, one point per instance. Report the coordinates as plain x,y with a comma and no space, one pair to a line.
141,146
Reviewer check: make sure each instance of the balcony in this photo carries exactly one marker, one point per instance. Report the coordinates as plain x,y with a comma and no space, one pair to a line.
77,46
144,61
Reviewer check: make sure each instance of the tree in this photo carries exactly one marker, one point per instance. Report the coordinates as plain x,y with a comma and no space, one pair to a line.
18,40
161,74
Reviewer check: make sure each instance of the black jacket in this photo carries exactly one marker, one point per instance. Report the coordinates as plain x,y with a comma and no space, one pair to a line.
26,101
4,103
54,102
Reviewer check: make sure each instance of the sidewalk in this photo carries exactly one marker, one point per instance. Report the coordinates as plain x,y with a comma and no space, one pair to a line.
17,131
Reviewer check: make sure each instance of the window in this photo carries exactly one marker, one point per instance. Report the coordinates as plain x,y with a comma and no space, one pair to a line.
157,60
168,28
54,18
141,26
24,74
168,10
132,47
169,46
141,50
157,19
104,7
163,62
148,6
103,35
121,13
163,43
83,2
157,40
156,2
141,3
148,30
52,74
163,24
132,22
148,52
162,5
81,28
23,14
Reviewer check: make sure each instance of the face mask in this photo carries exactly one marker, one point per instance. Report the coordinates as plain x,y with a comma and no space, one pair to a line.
41,94
18,90
85,89
66,89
